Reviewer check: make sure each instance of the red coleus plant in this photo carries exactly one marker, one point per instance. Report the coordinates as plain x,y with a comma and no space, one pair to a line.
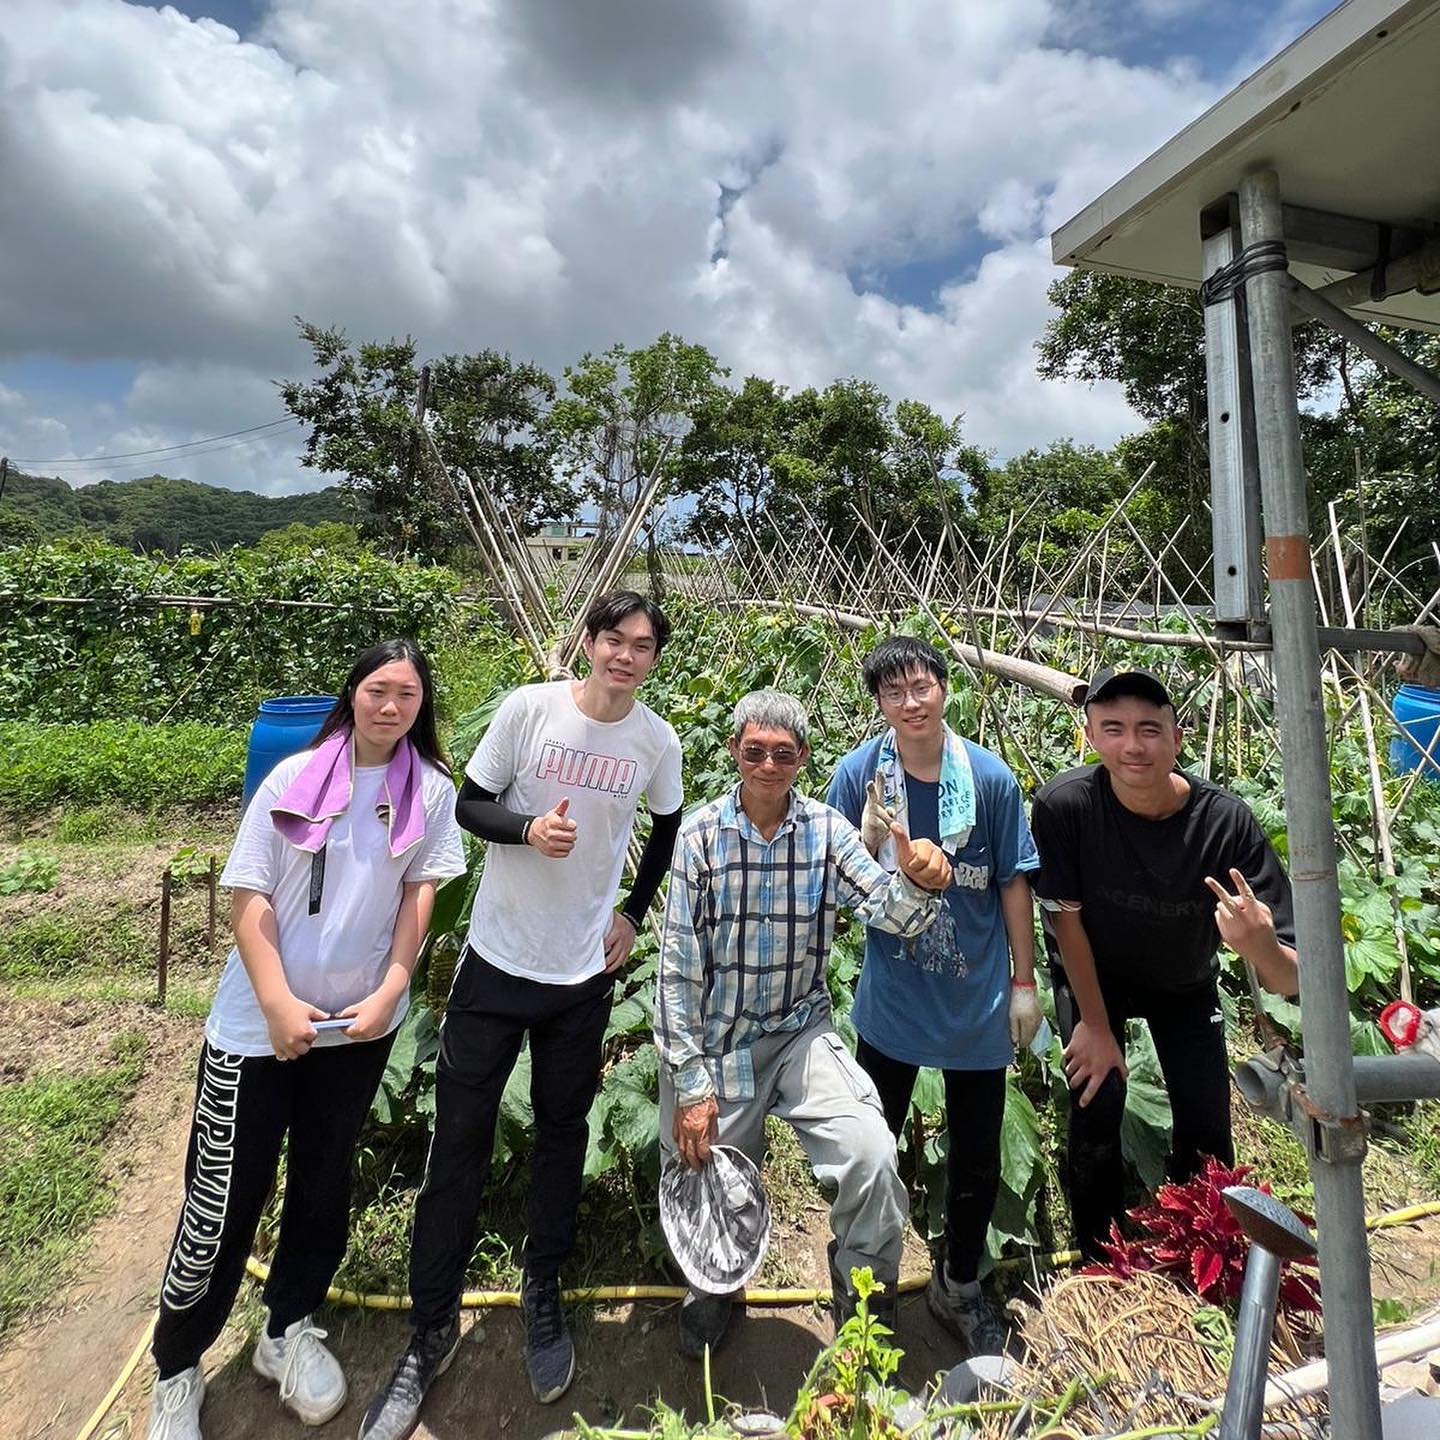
1188,1231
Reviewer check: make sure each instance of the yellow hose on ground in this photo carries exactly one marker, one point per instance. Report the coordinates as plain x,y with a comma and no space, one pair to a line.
622,1294
619,1294
121,1380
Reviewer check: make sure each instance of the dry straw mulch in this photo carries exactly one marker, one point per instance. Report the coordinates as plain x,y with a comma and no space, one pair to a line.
1139,1332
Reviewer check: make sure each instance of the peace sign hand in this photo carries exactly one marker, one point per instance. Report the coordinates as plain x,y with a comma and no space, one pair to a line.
1244,921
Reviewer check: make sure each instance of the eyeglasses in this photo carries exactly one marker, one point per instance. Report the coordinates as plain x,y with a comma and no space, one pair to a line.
921,691
782,755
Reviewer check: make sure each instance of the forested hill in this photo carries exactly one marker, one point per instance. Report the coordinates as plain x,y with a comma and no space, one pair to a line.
158,513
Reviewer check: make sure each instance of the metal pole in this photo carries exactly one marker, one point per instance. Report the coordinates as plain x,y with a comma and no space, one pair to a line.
1316,306
1379,1080
1234,500
162,964
1338,1141
1245,1394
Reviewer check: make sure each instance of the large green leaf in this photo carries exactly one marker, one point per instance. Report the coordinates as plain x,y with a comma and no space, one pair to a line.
1021,1157
453,900
628,1017
1145,1130
929,1092
512,1133
471,727
632,1089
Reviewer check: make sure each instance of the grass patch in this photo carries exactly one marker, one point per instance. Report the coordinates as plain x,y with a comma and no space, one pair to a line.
468,669
105,825
52,1189
123,762
84,936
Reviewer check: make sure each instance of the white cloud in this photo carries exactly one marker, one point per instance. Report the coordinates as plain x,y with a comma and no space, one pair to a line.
544,179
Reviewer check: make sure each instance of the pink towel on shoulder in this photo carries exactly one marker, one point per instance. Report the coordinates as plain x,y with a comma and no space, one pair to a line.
321,792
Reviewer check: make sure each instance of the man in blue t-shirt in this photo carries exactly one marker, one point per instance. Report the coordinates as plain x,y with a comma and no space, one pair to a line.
960,996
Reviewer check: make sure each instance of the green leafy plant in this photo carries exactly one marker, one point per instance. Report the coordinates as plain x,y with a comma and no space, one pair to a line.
29,871
134,765
118,654
189,863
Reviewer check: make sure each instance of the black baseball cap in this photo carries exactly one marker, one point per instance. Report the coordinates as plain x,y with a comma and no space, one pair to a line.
1110,684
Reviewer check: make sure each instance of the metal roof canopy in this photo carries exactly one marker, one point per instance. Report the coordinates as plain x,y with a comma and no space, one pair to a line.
1349,116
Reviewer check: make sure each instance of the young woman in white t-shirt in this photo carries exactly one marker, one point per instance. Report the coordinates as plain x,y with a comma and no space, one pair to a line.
333,875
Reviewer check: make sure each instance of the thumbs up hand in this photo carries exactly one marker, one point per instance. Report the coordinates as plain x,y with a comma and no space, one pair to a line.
553,833
923,861
876,818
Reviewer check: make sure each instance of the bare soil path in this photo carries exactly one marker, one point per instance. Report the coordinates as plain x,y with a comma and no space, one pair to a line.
54,1372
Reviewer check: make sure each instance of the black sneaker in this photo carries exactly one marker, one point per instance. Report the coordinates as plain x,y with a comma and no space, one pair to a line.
549,1353
395,1411
704,1319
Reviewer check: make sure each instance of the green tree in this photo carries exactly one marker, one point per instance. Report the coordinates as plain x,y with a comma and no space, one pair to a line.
485,416
1055,497
930,461
1150,340
298,538
621,421
1394,432
726,460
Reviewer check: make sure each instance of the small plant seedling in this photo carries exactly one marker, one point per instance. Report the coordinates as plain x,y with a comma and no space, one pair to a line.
188,863
29,871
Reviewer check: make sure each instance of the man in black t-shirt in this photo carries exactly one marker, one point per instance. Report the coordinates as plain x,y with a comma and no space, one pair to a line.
1144,871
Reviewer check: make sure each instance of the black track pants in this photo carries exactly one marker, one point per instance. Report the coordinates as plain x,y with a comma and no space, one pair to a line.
489,1014
975,1112
1188,1028
244,1107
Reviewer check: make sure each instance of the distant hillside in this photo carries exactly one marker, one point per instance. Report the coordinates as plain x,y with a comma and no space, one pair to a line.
158,513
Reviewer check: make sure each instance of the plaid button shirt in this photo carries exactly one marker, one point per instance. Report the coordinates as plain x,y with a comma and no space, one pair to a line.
748,925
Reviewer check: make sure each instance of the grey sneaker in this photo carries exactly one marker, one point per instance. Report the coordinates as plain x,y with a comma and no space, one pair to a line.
395,1411
704,1319
175,1406
549,1352
312,1384
969,1318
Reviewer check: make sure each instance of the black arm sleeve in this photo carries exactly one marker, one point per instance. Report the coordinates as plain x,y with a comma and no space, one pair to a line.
654,862
478,811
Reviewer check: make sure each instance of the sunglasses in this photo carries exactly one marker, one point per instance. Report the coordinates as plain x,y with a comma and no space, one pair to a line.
782,755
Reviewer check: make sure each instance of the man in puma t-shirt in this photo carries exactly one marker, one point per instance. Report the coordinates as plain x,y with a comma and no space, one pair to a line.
553,789
1144,871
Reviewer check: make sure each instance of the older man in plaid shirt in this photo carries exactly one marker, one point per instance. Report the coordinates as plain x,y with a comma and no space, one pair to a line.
742,1021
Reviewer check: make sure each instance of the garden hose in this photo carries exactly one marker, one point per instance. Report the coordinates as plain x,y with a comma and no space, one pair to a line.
121,1380
618,1294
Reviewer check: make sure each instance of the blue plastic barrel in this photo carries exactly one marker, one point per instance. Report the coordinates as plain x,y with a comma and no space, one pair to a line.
1417,723
284,725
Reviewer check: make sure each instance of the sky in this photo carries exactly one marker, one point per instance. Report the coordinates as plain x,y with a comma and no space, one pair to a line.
814,190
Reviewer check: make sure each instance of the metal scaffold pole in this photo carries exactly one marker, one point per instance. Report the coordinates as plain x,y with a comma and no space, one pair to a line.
1337,1139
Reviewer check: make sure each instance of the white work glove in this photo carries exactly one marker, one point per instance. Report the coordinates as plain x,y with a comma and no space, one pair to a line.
876,818
1410,1029
1025,1014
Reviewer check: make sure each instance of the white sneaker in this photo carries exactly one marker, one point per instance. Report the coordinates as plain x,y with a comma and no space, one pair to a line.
312,1384
175,1406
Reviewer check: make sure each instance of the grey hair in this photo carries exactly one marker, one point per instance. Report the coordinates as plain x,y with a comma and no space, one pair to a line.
771,710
